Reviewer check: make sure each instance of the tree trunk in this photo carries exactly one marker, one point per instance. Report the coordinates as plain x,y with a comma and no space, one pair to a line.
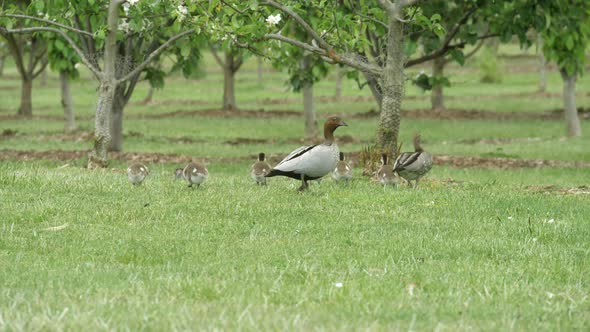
106,93
437,97
375,88
311,124
26,101
2,59
117,119
148,97
229,96
338,72
569,103
393,88
542,65
259,70
66,101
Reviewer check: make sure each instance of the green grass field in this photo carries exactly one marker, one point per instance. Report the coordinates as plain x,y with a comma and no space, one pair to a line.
473,248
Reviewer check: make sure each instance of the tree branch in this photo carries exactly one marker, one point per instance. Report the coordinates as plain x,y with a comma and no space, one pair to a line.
83,57
16,52
154,54
321,42
43,66
216,57
82,32
329,56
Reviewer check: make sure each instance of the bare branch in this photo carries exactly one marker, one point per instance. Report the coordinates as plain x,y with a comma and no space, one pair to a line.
43,65
234,8
383,24
82,32
216,57
81,54
329,56
321,42
154,54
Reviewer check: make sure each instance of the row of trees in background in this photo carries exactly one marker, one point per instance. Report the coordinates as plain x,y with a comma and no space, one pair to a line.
122,42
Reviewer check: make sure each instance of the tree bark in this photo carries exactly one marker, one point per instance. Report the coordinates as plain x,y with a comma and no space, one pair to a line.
338,72
106,93
26,101
437,97
311,124
569,104
119,103
229,95
542,65
66,101
393,88
375,88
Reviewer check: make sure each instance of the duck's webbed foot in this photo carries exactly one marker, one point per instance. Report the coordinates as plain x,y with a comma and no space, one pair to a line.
304,184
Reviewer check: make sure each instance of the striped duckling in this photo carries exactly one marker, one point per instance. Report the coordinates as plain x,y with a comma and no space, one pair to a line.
136,173
312,162
385,174
413,165
259,170
343,171
195,173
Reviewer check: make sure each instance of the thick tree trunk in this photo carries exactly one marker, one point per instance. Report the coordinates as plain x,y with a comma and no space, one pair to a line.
311,125
393,88
437,97
229,95
542,65
26,101
66,101
117,119
259,70
569,104
338,72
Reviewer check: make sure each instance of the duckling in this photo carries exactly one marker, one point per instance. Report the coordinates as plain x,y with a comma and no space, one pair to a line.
385,172
259,170
413,165
136,173
343,171
195,173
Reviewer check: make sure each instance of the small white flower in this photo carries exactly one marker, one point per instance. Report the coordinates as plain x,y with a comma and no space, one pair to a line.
273,20
124,26
182,10
534,239
126,7
550,295
509,218
77,65
338,285
550,221
314,43
132,2
40,13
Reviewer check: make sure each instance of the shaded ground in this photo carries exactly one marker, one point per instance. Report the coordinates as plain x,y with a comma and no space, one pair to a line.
154,157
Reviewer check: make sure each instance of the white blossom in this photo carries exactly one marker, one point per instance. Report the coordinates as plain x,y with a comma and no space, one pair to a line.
126,7
124,26
77,65
273,20
338,285
550,221
132,2
182,10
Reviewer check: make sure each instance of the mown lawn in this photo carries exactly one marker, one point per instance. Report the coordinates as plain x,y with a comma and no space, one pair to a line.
471,249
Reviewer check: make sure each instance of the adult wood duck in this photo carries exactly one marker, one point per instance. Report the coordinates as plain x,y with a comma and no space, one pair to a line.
413,165
259,170
312,162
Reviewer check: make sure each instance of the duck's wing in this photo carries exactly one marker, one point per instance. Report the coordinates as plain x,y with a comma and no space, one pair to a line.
405,160
296,153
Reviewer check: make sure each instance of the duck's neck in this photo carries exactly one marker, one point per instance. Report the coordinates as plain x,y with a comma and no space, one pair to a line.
417,146
329,134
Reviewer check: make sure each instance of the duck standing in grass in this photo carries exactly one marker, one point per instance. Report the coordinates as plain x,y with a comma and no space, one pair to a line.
413,165
312,162
385,172
259,170
343,171
195,173
136,173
